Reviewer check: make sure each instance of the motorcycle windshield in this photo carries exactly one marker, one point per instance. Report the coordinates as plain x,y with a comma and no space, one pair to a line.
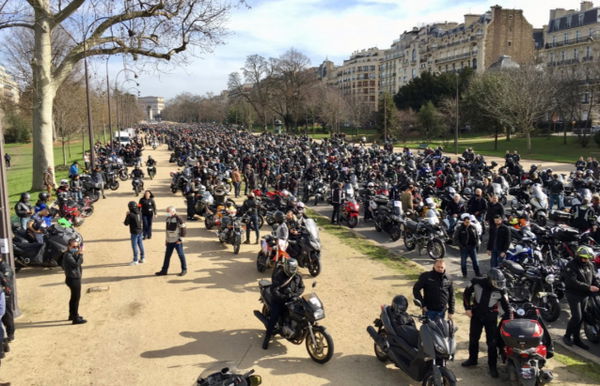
312,228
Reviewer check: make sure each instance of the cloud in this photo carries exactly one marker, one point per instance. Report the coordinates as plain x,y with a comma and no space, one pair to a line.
320,29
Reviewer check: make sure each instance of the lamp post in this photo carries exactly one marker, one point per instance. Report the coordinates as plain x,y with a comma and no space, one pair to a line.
457,118
135,75
110,133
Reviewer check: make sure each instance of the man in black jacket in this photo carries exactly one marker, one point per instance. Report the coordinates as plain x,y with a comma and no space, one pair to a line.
465,236
438,291
556,190
133,218
24,210
494,209
477,205
337,197
481,300
250,207
498,241
580,283
71,263
8,319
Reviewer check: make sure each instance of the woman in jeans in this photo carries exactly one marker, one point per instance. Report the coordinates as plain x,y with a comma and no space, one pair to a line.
148,213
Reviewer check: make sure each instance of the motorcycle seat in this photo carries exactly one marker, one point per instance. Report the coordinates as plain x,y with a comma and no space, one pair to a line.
264,283
513,267
411,225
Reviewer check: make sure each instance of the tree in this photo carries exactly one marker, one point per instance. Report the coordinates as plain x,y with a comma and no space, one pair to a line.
386,115
157,29
430,120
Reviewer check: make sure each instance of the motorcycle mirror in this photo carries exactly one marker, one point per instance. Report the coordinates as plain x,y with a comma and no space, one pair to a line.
314,284
417,303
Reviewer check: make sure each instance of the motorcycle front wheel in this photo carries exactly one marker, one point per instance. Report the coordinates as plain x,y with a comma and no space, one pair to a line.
409,241
353,221
208,222
552,312
395,232
236,244
114,186
261,262
429,380
436,249
123,176
314,265
94,195
321,350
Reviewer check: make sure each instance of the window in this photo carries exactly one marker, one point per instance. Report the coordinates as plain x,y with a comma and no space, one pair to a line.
554,41
509,43
588,52
562,55
585,98
474,64
580,19
577,36
568,21
566,36
575,53
552,57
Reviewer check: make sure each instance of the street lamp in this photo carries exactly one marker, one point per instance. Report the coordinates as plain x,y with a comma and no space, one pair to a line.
126,93
135,75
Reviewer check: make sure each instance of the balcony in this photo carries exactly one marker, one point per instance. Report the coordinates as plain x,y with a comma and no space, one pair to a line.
565,62
456,57
568,42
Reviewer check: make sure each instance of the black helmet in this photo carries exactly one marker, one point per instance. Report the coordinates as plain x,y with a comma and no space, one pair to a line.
399,304
290,267
43,196
496,278
132,205
279,217
25,196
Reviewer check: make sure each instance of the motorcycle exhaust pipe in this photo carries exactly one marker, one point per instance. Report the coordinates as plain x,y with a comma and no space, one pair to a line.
261,317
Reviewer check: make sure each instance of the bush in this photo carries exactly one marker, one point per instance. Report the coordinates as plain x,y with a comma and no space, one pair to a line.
17,129
584,140
597,138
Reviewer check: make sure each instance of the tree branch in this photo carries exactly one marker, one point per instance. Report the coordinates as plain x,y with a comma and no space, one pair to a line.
66,12
16,24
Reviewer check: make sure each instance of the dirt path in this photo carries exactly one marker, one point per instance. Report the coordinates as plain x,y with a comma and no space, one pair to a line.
166,330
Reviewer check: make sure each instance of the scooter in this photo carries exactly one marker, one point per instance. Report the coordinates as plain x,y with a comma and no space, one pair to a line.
422,354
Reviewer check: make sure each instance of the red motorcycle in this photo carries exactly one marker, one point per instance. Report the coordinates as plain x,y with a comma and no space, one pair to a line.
349,212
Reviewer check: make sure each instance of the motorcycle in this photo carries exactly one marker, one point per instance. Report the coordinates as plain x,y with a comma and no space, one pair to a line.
386,219
90,188
307,248
300,322
349,212
228,376
138,185
123,173
425,235
111,180
422,354
522,336
231,232
151,171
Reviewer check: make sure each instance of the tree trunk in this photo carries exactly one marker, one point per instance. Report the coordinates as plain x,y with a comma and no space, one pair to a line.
508,129
43,100
528,135
496,138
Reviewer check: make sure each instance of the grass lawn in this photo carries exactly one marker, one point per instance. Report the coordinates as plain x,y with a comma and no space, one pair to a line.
19,174
543,148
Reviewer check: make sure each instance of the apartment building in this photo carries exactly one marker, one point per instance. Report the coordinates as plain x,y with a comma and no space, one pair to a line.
476,43
8,86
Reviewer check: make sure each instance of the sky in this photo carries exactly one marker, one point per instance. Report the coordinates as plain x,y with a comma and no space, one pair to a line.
320,29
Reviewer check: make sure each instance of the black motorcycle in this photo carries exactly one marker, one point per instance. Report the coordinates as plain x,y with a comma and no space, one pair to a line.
111,181
591,319
306,248
227,377
522,336
300,322
385,219
231,232
138,185
151,171
422,354
123,173
425,235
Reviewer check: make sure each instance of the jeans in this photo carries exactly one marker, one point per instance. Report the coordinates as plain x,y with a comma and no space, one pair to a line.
136,242
78,195
74,285
170,248
496,259
335,215
9,319
236,188
431,315
252,225
472,253
577,305
277,308
147,224
24,221
558,199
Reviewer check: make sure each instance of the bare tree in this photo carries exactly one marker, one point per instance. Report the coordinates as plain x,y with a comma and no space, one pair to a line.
157,29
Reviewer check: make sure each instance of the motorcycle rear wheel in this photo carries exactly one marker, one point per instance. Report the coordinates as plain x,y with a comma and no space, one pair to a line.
591,333
395,232
236,248
94,195
314,265
409,241
352,222
123,176
322,351
436,249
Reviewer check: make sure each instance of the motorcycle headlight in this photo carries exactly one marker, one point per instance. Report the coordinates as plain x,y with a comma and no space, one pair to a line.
550,278
440,348
319,314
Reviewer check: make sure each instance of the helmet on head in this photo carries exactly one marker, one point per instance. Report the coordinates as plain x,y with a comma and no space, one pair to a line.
430,203
585,252
300,205
496,278
279,217
25,196
399,304
370,185
43,196
64,182
132,205
290,267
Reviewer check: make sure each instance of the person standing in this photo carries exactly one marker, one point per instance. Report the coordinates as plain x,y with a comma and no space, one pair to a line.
337,197
250,208
477,205
86,160
7,159
498,241
24,210
98,178
465,236
49,180
175,232
494,209
8,319
148,207
556,196
580,283
481,299
438,291
236,178
71,263
133,218
74,169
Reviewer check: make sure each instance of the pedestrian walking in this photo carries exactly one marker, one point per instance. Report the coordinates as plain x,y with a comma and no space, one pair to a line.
175,232
437,294
7,159
149,213
49,180
580,282
71,263
481,299
465,236
8,319
133,218
337,197
24,210
498,241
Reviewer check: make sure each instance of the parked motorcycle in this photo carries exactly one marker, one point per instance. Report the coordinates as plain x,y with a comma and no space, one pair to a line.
231,232
111,181
425,235
300,322
306,248
349,212
228,376
422,354
385,218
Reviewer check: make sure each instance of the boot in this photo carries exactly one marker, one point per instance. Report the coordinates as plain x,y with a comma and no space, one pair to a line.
493,372
5,346
567,340
579,343
469,362
247,241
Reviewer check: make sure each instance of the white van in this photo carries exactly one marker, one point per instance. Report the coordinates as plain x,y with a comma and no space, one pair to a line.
123,138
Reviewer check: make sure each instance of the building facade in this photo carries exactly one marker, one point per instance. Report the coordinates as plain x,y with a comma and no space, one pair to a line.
8,87
476,43
152,107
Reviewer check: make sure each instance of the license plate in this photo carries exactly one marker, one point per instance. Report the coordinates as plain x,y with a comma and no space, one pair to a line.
527,373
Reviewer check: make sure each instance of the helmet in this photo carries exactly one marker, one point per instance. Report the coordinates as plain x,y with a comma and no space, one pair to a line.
585,252
25,196
430,203
290,267
300,205
132,205
43,196
64,182
279,217
496,278
399,304
370,185
202,189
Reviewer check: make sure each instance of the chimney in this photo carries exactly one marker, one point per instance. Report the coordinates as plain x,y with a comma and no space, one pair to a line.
470,19
586,6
